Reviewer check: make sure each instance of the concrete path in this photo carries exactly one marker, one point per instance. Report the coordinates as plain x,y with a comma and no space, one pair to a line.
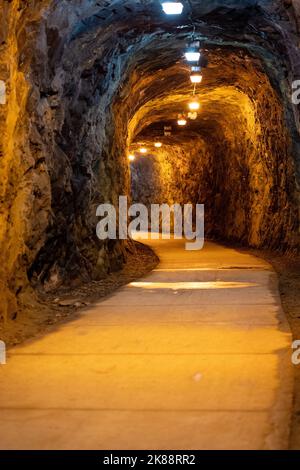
194,356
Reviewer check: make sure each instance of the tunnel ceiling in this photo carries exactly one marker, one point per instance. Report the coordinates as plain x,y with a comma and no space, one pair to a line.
229,87
140,50
123,38
139,39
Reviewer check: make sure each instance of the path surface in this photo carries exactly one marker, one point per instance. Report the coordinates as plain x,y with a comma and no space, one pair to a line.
194,356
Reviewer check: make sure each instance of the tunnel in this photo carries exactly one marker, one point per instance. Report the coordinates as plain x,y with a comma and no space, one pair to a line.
88,84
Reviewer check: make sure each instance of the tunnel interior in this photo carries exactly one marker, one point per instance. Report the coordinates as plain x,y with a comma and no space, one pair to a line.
234,157
89,82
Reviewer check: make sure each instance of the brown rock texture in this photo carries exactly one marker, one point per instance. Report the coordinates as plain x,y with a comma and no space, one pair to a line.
237,161
87,80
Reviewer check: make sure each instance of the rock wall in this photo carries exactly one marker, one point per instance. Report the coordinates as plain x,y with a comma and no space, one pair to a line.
24,179
239,162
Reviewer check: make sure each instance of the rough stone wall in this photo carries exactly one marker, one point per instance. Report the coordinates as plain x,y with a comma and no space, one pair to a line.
241,168
170,175
24,179
58,157
75,122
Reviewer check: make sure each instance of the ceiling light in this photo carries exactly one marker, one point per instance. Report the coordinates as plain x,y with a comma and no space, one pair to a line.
158,145
193,116
131,158
196,78
192,55
194,105
172,8
181,122
143,150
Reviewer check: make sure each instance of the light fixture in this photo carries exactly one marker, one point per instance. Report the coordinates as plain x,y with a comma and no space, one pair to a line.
192,55
158,145
172,8
192,115
182,121
143,150
131,158
196,77
194,105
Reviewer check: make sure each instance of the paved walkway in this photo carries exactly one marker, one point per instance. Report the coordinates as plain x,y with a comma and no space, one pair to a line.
194,356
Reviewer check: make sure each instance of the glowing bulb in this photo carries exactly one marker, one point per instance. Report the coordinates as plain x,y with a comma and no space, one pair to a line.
181,122
193,116
192,56
143,150
196,78
158,145
172,8
131,158
194,105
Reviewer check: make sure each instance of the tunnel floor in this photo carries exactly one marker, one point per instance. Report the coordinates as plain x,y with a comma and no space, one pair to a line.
194,356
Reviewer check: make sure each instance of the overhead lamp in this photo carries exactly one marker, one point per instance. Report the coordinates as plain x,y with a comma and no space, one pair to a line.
172,8
158,145
196,77
194,105
143,150
192,55
131,158
193,115
182,121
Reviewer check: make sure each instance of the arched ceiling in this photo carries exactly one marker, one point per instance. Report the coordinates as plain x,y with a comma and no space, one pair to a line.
141,49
